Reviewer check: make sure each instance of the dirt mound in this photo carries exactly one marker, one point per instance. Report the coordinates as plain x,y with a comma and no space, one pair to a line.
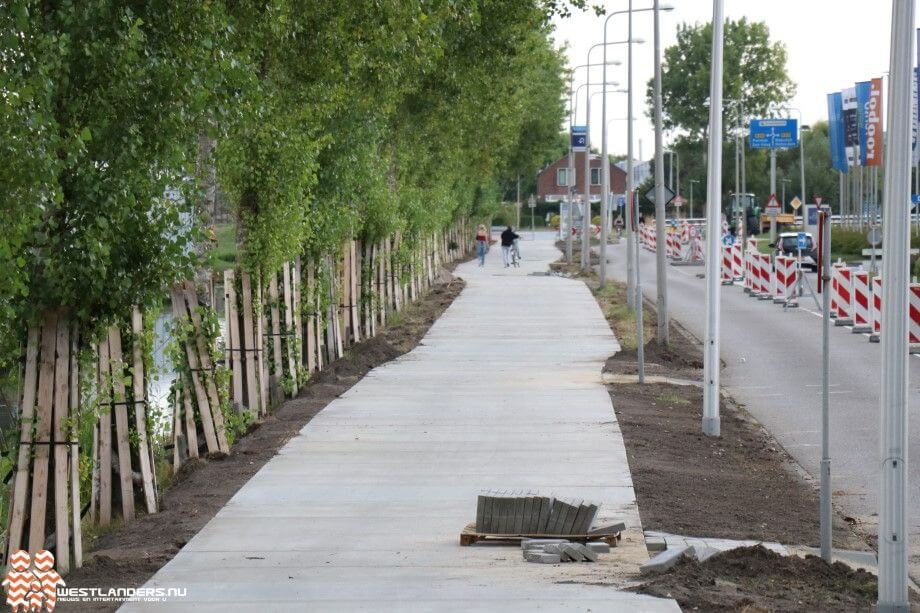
757,579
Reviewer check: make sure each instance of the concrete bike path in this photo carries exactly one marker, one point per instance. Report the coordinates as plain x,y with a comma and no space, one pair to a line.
363,509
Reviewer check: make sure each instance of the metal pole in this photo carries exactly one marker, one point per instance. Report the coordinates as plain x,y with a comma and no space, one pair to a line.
605,168
892,527
568,182
802,165
711,421
640,326
825,505
632,272
691,197
772,192
586,217
518,225
662,335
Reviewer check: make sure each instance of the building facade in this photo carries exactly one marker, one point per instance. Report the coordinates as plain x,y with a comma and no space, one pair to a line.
552,181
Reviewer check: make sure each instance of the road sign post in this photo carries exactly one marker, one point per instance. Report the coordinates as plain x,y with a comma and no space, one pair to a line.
824,249
772,209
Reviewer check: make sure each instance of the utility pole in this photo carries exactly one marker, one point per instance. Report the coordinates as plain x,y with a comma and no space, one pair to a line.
892,526
692,181
586,216
772,192
711,365
662,335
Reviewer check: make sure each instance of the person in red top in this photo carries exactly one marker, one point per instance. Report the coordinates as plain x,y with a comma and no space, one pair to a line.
482,243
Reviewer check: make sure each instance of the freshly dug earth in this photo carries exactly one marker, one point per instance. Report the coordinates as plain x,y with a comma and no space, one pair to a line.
129,555
742,485
756,579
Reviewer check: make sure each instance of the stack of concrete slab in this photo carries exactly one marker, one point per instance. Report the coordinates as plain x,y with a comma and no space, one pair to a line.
555,551
525,513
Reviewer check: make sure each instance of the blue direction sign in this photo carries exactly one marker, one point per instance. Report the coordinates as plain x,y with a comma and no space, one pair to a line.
774,133
620,201
728,240
579,137
802,240
914,200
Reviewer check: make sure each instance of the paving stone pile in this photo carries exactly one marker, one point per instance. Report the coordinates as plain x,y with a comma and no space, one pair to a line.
556,551
521,513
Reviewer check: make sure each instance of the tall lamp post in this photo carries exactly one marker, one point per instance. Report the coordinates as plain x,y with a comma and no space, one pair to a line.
663,332
570,183
711,421
630,235
893,403
692,181
586,219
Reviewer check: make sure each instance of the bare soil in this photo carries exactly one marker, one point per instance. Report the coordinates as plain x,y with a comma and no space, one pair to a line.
129,555
756,579
742,485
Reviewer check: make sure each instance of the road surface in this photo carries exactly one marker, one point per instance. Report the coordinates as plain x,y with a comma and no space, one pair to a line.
773,367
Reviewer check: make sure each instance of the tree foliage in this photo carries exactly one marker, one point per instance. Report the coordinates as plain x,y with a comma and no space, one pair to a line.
331,120
754,72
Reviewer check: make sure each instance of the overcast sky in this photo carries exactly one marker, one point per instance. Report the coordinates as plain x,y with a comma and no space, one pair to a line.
831,44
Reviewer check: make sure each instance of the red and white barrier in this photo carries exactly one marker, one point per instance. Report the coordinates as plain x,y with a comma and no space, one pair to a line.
763,276
833,289
696,254
861,302
749,269
913,324
726,266
784,279
874,335
685,247
737,261
842,290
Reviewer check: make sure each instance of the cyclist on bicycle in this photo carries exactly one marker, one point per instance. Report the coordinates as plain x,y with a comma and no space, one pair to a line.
508,243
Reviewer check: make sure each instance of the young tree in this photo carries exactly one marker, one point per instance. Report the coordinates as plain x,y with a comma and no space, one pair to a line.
755,72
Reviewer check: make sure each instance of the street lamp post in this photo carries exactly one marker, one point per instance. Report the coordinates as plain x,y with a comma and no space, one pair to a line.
711,421
570,183
663,333
893,403
630,235
692,181
783,181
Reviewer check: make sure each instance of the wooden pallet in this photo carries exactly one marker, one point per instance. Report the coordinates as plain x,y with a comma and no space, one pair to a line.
469,536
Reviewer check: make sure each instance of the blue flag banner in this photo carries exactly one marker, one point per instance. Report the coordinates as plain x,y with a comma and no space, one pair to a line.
862,118
835,131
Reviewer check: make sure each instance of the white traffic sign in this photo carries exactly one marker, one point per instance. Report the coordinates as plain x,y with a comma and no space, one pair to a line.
678,200
795,203
772,209
874,237
818,199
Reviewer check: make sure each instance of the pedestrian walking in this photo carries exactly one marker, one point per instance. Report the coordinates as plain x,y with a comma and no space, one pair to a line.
482,243
508,238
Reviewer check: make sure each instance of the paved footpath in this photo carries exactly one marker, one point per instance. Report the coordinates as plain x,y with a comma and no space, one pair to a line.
363,509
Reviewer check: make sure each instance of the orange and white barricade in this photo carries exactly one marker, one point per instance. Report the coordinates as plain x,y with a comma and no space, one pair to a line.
913,323
784,280
874,335
833,289
749,266
737,261
862,302
842,295
685,244
726,266
760,269
696,254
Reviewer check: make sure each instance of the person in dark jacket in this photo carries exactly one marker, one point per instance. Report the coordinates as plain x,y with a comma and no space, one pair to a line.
508,238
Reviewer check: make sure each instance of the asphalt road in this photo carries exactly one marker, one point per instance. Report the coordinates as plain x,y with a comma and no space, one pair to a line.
773,367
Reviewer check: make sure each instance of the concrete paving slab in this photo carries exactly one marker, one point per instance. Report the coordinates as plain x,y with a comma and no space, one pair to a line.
362,511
